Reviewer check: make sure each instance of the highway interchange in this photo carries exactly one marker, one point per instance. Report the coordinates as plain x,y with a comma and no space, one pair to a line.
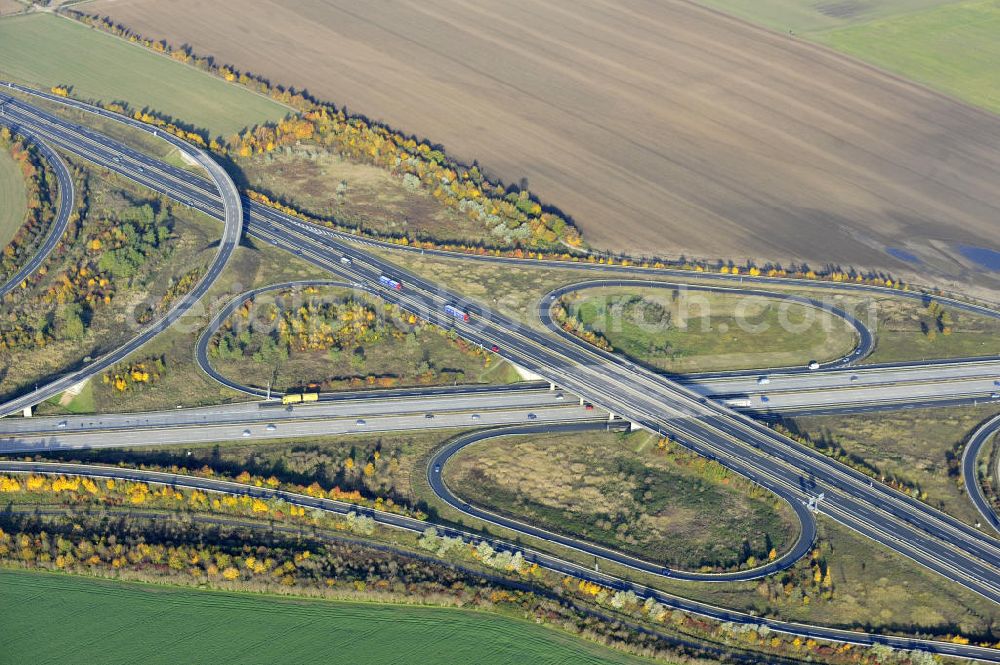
652,401
21,119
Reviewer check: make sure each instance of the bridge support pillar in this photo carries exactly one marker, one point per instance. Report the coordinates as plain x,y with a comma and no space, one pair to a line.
527,374
552,386
581,401
633,426
611,416
27,412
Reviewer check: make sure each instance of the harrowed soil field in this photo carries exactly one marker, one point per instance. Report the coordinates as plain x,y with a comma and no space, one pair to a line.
659,126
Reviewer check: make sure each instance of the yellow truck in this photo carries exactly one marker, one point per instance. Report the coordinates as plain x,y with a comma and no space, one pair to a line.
296,398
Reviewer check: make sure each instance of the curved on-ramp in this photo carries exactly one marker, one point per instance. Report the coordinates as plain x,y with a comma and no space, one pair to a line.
204,362
435,478
66,200
970,471
549,562
201,349
812,631
233,228
863,348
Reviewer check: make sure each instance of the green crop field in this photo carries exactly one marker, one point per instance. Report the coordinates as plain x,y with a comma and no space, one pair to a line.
951,45
49,618
12,198
813,15
45,50
954,48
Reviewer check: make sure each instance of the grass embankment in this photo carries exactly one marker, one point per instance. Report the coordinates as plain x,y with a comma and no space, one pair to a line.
947,44
396,460
182,382
691,332
921,447
99,619
64,52
624,492
13,201
871,587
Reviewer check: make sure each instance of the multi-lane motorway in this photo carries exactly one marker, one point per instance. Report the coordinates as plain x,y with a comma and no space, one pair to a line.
654,402
251,422
876,390
781,392
27,119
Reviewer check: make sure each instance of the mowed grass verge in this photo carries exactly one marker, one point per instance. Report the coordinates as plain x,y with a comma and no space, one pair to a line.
44,50
13,201
99,621
677,331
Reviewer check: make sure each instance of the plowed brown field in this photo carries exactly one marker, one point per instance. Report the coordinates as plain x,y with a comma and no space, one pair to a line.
658,125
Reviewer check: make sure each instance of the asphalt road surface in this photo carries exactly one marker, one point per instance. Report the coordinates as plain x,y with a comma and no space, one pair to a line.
547,561
931,538
27,117
435,478
880,396
810,391
970,471
64,182
662,405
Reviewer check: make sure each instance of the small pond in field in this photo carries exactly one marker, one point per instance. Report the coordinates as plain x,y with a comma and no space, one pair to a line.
902,255
982,256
